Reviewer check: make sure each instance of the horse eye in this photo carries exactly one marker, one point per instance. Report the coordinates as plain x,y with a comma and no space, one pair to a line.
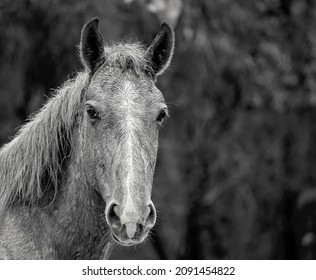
92,113
161,116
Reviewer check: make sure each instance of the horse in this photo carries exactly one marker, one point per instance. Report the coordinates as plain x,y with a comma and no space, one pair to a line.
77,177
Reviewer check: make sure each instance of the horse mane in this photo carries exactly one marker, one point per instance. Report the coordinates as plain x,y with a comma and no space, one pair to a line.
128,56
31,163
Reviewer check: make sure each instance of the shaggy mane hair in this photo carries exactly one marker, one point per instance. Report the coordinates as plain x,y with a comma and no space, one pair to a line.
128,56
31,163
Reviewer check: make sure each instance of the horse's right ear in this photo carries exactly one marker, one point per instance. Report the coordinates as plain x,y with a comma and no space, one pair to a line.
91,45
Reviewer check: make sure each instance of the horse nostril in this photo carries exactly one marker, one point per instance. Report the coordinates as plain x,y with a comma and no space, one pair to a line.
113,217
151,218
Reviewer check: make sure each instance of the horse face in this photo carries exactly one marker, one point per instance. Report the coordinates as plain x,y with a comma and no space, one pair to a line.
123,113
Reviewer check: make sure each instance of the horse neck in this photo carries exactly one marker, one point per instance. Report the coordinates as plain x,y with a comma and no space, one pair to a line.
79,214
30,164
77,197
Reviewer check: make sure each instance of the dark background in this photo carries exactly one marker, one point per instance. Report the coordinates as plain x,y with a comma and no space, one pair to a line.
235,177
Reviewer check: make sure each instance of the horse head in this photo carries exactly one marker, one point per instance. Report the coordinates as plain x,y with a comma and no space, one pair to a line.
123,111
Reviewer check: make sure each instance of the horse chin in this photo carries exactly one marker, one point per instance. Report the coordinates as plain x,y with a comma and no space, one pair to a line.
128,242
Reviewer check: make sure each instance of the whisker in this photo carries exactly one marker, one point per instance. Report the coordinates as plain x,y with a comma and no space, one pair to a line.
175,103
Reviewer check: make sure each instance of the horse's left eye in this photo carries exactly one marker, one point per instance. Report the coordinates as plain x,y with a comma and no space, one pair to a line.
92,113
161,116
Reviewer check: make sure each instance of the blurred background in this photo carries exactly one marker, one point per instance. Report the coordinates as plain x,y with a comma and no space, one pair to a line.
236,170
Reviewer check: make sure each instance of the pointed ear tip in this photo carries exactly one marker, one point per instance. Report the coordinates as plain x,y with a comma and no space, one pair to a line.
92,22
165,25
166,28
95,20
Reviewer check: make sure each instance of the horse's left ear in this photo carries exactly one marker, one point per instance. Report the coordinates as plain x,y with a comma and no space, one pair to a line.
91,45
160,51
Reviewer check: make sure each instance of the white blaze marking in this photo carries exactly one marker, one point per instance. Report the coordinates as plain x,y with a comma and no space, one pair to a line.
129,215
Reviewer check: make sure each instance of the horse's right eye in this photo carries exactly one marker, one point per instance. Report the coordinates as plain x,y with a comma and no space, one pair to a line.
92,113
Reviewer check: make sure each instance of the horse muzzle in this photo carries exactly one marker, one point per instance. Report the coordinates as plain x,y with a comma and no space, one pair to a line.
128,226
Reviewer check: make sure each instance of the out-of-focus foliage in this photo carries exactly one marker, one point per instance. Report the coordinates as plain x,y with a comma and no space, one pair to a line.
235,174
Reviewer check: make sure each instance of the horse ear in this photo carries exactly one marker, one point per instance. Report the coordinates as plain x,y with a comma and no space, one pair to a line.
91,45
161,49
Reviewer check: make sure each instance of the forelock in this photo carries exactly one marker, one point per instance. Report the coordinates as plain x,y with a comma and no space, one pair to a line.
130,56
